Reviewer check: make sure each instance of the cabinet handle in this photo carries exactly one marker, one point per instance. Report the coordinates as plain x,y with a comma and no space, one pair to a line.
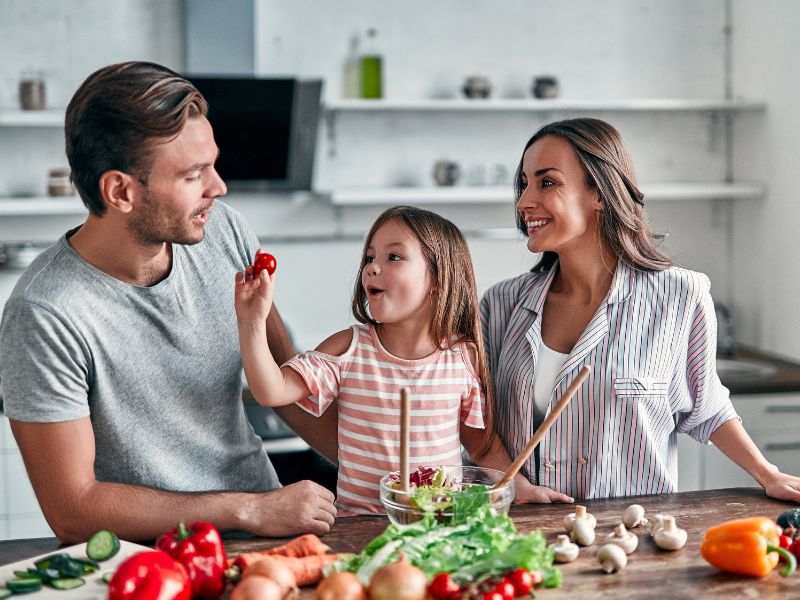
783,409
779,447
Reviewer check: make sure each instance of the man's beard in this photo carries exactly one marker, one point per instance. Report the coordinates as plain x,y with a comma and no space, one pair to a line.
156,225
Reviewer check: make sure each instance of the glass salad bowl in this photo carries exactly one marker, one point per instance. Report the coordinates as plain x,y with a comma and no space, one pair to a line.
448,493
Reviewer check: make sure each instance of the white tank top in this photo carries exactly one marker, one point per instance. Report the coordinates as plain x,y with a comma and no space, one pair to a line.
548,365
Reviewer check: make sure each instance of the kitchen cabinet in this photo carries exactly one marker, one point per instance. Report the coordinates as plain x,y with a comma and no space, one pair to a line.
772,422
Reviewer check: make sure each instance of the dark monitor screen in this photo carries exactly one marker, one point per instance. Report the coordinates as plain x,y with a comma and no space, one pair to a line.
252,121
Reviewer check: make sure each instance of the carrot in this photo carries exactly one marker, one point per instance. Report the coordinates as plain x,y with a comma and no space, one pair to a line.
305,545
307,570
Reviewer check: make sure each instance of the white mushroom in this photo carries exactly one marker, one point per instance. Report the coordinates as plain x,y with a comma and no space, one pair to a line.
580,513
623,538
612,558
670,537
634,516
582,532
656,524
564,551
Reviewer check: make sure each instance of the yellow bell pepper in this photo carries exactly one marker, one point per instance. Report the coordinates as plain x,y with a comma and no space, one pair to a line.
747,547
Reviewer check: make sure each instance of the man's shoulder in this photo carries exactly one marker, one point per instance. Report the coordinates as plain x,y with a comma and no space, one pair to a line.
52,275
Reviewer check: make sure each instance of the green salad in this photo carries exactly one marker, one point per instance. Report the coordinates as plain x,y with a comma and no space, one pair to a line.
479,543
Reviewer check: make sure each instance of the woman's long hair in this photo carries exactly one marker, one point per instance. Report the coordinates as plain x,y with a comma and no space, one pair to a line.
456,313
608,167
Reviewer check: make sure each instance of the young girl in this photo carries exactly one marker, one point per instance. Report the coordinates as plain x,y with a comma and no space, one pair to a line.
420,328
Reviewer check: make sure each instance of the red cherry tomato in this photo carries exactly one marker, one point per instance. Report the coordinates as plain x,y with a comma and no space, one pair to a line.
493,595
785,541
507,589
442,587
264,260
523,581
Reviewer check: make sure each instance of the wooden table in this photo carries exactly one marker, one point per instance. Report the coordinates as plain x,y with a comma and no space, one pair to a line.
650,571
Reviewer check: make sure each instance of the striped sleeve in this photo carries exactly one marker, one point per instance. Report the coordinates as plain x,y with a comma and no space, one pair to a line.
322,375
711,405
473,405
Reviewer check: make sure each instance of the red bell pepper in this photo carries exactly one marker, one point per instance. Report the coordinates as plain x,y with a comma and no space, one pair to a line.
199,549
150,575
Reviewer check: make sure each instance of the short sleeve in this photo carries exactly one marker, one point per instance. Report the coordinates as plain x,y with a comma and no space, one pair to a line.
473,405
711,404
44,370
322,374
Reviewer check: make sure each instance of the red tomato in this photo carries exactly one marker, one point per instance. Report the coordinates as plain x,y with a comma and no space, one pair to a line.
442,587
507,589
264,260
523,581
785,541
493,595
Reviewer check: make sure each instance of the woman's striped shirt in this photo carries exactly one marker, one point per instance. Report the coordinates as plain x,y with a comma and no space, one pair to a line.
651,346
444,392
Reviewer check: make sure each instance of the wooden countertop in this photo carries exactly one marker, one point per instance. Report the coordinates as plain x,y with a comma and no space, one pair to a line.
650,571
786,377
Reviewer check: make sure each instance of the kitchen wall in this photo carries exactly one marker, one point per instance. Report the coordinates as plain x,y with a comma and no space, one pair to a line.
597,51
615,49
765,240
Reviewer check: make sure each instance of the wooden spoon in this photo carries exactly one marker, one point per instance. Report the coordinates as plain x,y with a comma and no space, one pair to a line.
405,421
546,424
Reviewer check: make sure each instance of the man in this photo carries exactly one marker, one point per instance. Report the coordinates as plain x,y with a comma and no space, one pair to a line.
120,360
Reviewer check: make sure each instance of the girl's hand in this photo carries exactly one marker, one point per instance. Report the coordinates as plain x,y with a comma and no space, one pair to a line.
527,493
253,295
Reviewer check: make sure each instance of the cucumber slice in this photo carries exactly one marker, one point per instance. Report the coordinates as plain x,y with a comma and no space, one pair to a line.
44,563
5,593
103,545
30,574
24,586
89,566
67,583
108,576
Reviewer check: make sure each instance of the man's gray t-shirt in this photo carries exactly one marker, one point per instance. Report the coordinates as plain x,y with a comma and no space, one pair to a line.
157,368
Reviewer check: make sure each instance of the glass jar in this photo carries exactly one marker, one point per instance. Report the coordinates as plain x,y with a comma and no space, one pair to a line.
32,92
58,183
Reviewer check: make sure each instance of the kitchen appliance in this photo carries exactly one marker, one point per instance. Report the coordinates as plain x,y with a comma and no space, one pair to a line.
266,129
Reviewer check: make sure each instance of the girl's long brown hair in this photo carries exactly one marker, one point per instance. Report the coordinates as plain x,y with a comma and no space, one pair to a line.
608,167
456,314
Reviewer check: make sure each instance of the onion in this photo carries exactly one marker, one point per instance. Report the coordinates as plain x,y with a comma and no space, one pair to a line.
257,588
341,586
275,570
398,581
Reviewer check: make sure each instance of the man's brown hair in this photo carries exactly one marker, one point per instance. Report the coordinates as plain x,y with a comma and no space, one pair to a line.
116,118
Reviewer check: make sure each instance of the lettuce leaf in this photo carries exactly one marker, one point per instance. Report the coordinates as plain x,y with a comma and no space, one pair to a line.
485,544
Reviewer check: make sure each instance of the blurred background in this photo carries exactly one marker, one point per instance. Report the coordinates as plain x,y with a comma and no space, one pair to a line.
356,105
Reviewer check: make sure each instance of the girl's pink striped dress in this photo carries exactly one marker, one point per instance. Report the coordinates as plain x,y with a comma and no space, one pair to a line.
366,379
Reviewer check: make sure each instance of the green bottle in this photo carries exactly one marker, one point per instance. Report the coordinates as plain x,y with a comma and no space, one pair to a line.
371,68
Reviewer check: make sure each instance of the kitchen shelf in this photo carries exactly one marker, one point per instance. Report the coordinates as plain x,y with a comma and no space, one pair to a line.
555,105
657,192
32,118
40,206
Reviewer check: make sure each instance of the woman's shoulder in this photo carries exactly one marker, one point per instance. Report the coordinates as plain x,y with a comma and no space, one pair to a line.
516,287
679,276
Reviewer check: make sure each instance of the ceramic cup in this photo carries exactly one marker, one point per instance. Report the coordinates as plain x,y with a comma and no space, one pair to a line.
446,172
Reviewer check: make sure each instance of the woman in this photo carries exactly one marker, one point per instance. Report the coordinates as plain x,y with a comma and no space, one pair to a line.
603,295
